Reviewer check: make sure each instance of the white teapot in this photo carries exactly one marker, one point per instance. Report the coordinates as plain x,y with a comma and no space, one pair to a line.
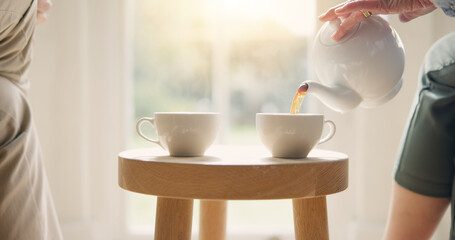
363,68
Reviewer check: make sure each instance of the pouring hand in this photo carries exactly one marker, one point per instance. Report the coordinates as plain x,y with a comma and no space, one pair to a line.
350,12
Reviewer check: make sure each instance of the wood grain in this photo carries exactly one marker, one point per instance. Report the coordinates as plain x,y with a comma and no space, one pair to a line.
212,220
173,219
233,173
310,219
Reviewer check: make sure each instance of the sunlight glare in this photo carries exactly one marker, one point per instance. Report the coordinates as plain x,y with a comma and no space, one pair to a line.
296,15
252,9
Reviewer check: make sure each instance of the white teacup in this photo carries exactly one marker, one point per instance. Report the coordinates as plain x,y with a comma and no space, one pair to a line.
183,134
292,135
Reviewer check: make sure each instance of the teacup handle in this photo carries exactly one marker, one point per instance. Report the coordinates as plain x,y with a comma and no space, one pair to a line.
330,134
138,129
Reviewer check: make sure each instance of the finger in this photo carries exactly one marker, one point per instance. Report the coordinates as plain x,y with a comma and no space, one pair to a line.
44,5
351,7
41,17
347,25
42,9
330,14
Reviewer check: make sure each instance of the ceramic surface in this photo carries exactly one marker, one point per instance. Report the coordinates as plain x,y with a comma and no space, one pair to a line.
183,133
365,67
292,135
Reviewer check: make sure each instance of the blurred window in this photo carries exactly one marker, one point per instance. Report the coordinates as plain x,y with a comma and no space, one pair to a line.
237,57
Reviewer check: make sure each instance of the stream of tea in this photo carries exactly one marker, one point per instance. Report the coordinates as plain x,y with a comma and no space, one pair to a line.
298,98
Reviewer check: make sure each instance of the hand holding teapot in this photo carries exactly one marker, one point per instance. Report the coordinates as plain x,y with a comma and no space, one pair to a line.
364,68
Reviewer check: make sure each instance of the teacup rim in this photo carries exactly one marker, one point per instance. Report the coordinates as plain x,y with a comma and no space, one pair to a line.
289,114
186,113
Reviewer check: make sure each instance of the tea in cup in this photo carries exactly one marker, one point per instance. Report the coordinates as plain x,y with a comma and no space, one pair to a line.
292,135
183,134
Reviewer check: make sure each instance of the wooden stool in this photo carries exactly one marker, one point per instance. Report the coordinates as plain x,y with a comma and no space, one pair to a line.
233,173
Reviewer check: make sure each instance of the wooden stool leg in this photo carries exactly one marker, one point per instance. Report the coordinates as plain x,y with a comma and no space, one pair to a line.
310,218
173,219
212,220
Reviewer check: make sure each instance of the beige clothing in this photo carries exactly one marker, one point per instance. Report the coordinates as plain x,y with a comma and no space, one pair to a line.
17,25
26,208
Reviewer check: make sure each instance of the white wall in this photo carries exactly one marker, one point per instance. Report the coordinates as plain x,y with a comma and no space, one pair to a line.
80,97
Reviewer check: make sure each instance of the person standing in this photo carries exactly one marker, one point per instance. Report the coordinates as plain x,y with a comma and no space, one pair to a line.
424,176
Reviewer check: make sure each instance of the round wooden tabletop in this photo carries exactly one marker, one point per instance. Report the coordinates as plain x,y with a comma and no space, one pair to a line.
232,173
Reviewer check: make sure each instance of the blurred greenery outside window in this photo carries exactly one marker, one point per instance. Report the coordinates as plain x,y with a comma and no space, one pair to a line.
237,57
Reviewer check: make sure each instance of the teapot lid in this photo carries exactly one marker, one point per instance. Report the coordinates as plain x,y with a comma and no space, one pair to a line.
327,30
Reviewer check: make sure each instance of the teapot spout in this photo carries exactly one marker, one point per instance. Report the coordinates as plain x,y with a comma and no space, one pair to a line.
339,98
